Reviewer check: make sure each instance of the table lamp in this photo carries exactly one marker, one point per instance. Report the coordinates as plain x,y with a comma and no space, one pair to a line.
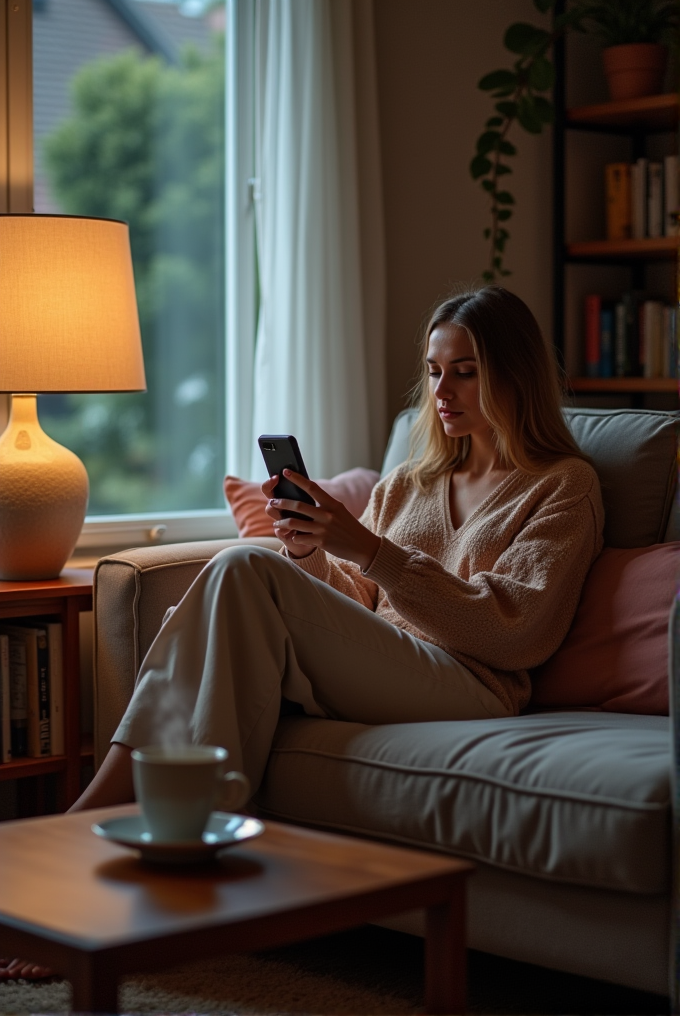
68,323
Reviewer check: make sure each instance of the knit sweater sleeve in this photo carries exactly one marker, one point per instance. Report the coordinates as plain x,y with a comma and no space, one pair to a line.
514,615
345,576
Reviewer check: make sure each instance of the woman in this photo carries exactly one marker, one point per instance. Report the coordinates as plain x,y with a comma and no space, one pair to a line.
463,573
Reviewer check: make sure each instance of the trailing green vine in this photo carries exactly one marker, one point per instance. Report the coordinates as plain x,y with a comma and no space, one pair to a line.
520,92
519,97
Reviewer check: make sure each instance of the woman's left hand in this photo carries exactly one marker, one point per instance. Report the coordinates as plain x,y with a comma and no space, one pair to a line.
330,525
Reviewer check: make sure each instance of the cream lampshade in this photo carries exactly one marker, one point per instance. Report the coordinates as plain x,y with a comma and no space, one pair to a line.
68,323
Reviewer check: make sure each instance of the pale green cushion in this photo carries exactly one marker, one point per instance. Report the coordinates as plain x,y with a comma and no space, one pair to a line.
578,797
634,453
398,444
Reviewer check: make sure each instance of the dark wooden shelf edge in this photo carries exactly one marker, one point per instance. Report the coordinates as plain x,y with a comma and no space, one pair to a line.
623,384
653,112
73,582
26,766
20,767
661,249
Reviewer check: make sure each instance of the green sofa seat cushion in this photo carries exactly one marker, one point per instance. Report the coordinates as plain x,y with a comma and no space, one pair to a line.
576,797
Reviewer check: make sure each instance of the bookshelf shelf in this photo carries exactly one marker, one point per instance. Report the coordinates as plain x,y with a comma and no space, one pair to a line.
663,248
623,384
20,767
650,114
62,599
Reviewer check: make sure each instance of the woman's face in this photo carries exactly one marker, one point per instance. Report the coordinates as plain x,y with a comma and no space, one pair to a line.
454,381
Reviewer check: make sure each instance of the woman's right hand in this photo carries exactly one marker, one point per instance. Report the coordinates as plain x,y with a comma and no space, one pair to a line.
285,535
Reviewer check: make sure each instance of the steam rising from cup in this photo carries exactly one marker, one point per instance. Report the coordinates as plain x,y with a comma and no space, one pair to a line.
172,722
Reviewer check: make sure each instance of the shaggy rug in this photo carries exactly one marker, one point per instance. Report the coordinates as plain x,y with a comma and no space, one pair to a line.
368,970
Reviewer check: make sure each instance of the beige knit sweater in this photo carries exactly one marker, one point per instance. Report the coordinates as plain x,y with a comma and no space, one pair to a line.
500,592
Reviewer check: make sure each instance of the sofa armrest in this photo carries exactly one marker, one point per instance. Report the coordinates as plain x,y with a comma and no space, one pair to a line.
132,591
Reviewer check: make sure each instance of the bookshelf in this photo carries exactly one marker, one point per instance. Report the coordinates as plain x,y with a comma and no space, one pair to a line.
62,599
632,123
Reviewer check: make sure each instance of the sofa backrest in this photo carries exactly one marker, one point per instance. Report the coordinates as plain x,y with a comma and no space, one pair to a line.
634,452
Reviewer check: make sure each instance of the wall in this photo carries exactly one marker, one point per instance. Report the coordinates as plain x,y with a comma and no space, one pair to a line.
430,55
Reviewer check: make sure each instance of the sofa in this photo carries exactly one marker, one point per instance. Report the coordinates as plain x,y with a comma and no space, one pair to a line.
567,814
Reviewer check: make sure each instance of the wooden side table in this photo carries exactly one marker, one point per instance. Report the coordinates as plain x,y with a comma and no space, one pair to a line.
62,599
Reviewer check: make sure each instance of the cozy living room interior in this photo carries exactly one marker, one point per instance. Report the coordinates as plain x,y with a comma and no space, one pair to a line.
557,827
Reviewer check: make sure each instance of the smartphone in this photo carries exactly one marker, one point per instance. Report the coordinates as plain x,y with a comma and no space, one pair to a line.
281,451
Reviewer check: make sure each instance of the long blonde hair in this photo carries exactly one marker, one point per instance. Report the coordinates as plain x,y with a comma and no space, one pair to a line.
519,390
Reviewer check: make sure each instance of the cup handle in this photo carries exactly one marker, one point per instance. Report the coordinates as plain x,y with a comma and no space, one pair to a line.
238,792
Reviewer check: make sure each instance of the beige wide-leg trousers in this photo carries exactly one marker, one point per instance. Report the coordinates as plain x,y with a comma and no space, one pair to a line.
253,627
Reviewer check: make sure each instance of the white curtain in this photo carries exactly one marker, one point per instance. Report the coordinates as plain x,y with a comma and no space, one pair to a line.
317,366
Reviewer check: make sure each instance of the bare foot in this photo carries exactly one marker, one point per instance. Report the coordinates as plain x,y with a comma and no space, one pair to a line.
12,970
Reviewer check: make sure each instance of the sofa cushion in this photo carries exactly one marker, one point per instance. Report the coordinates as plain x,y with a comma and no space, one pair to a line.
248,503
615,656
580,798
398,443
634,454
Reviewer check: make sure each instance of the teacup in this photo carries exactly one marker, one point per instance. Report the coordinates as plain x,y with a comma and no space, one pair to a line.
178,788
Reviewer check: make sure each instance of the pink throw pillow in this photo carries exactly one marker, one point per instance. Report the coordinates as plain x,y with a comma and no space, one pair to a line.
247,502
615,656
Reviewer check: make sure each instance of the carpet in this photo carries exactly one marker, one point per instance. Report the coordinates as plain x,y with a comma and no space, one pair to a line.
367,970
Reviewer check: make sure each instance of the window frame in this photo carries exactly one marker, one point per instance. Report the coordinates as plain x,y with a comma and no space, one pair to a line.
101,533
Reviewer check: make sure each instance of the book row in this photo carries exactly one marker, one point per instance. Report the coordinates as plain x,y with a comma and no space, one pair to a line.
31,690
635,337
642,198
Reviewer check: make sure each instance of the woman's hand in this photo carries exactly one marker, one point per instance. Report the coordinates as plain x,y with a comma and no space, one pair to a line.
330,526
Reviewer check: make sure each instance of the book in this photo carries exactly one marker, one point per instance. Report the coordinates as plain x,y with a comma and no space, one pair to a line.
655,199
31,645
56,672
32,695
593,309
670,322
651,338
43,693
5,721
619,340
631,302
18,709
671,189
607,342
638,190
617,178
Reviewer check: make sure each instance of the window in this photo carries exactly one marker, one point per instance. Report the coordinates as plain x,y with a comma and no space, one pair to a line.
128,100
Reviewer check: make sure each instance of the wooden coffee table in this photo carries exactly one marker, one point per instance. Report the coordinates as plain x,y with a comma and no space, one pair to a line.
93,911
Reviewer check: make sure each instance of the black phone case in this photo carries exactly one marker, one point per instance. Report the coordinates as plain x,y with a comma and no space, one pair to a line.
285,454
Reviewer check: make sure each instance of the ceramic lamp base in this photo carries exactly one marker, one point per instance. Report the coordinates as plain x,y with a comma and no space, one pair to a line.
43,497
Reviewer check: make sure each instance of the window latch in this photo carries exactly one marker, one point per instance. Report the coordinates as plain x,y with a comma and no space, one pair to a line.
254,192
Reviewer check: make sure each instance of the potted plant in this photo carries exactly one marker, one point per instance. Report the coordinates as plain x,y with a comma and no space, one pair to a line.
634,33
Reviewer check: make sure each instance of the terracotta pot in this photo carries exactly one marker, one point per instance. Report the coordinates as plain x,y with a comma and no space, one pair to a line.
635,70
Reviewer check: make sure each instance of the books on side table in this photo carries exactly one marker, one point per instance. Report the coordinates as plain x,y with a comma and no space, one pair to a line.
31,690
632,337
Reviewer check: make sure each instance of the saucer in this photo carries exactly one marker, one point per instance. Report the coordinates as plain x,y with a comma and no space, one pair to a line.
223,830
